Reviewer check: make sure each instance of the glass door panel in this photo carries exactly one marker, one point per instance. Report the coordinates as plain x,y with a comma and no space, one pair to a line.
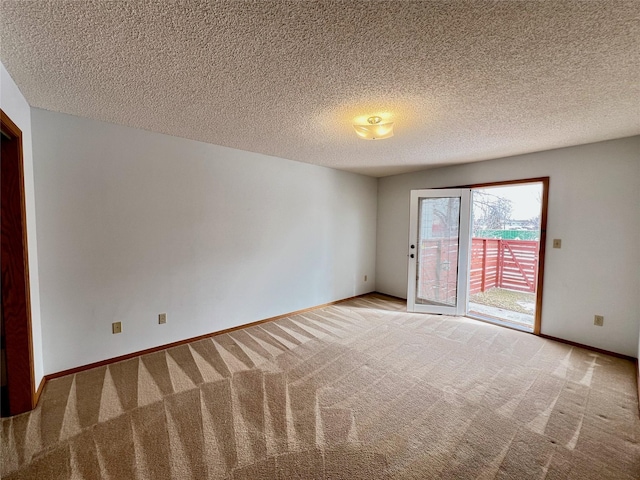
437,261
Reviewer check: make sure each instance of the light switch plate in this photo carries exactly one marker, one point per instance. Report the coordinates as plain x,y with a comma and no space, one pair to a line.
557,243
116,327
162,318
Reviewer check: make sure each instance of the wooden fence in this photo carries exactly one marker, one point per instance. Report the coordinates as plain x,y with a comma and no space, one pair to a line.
438,270
511,264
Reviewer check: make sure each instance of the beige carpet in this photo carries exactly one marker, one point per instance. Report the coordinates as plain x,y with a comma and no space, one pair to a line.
359,390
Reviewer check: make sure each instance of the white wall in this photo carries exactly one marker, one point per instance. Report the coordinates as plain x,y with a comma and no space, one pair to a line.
594,199
16,107
133,223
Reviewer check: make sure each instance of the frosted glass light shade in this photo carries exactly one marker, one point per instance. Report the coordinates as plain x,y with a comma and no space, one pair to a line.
375,130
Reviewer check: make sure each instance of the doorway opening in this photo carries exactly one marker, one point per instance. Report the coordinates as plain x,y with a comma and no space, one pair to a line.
18,383
505,253
479,251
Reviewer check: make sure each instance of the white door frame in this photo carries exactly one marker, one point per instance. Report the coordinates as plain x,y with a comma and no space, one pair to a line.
464,251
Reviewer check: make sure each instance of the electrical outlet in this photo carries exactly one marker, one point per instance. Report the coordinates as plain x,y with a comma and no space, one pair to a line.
598,320
557,243
365,278
116,327
162,318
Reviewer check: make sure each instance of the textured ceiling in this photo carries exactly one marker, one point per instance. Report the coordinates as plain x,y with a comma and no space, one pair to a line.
462,80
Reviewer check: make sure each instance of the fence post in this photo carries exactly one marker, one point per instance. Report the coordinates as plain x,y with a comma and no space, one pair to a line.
483,285
500,264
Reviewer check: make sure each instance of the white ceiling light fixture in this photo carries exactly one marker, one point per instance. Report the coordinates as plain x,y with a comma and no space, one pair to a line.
375,129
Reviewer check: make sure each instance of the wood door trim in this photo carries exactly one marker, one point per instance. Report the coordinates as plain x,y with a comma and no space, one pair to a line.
20,374
39,390
638,381
541,254
504,183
